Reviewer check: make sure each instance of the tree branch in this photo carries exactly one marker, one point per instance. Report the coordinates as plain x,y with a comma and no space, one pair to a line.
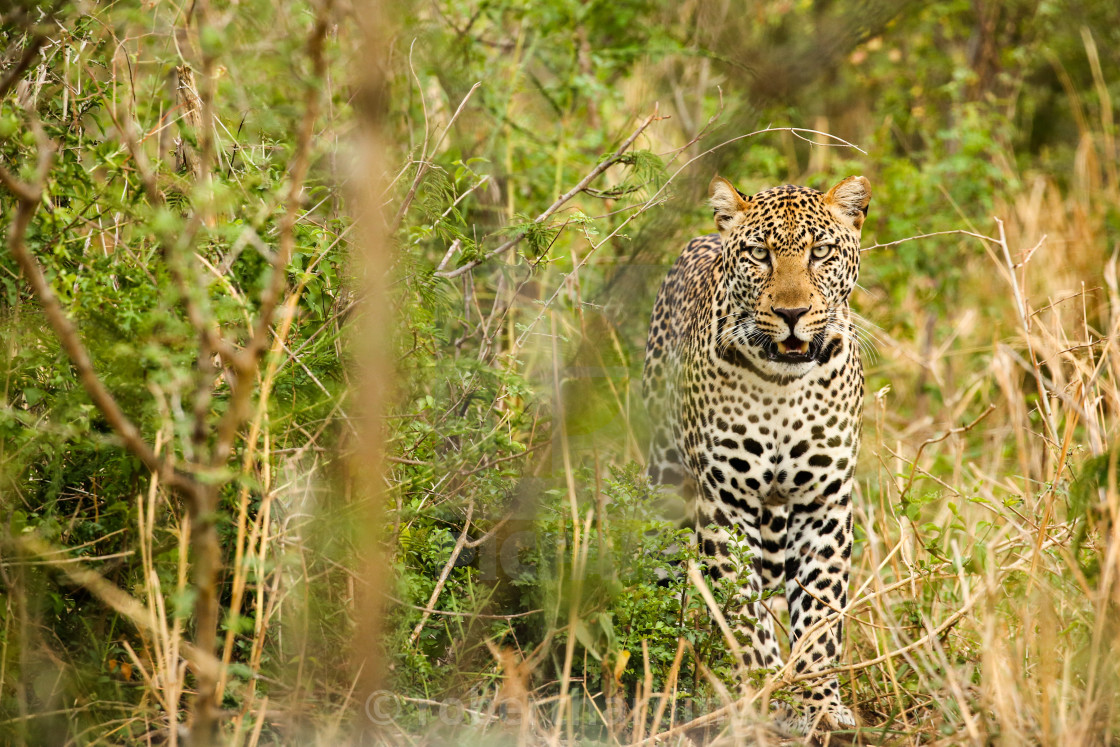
245,362
560,201
210,338
28,197
111,595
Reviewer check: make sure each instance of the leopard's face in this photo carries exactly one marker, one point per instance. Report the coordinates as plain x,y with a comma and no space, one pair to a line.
790,258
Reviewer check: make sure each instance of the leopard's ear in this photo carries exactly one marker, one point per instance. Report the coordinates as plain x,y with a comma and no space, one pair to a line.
848,200
726,201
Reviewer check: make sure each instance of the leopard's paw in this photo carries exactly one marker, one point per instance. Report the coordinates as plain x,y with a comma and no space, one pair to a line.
817,719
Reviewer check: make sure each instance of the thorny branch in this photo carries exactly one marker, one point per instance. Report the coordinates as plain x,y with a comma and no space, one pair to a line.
654,199
210,338
448,567
958,231
205,539
111,595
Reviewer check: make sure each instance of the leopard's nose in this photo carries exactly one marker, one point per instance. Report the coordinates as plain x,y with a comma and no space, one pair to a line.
791,315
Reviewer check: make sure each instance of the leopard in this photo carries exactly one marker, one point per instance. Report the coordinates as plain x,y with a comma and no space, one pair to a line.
753,381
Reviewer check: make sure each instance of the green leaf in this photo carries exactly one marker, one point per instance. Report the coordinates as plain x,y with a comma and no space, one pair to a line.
584,636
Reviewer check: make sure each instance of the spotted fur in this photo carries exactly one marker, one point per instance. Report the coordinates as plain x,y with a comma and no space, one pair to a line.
754,384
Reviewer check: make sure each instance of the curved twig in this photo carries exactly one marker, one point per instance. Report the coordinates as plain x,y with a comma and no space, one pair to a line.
560,201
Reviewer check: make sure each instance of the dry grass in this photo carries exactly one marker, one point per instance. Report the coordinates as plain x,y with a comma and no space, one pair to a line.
975,623
987,615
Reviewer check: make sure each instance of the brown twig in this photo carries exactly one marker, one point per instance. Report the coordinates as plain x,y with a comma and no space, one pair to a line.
930,635
204,538
958,231
111,595
471,615
447,568
426,162
651,201
210,338
938,439
560,201
1025,320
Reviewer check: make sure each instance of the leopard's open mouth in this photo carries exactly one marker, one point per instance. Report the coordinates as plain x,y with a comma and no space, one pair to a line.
792,350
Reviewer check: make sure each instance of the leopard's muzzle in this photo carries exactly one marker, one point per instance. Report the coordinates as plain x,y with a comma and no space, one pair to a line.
793,349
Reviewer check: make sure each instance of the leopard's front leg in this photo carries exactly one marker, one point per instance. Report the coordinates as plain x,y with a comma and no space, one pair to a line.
818,559
723,544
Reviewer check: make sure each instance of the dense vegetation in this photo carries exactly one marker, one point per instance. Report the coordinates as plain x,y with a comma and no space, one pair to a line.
323,333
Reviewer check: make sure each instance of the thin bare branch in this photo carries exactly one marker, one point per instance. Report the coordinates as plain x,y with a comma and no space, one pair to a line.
938,439
560,201
111,595
426,162
980,236
447,568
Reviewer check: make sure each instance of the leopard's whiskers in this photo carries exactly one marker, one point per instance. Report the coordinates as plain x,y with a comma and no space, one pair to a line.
741,330
866,329
860,337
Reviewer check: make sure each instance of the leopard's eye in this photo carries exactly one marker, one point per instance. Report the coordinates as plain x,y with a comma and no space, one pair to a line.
758,253
822,251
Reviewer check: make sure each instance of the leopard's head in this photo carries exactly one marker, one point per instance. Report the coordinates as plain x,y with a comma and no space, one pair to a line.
790,258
